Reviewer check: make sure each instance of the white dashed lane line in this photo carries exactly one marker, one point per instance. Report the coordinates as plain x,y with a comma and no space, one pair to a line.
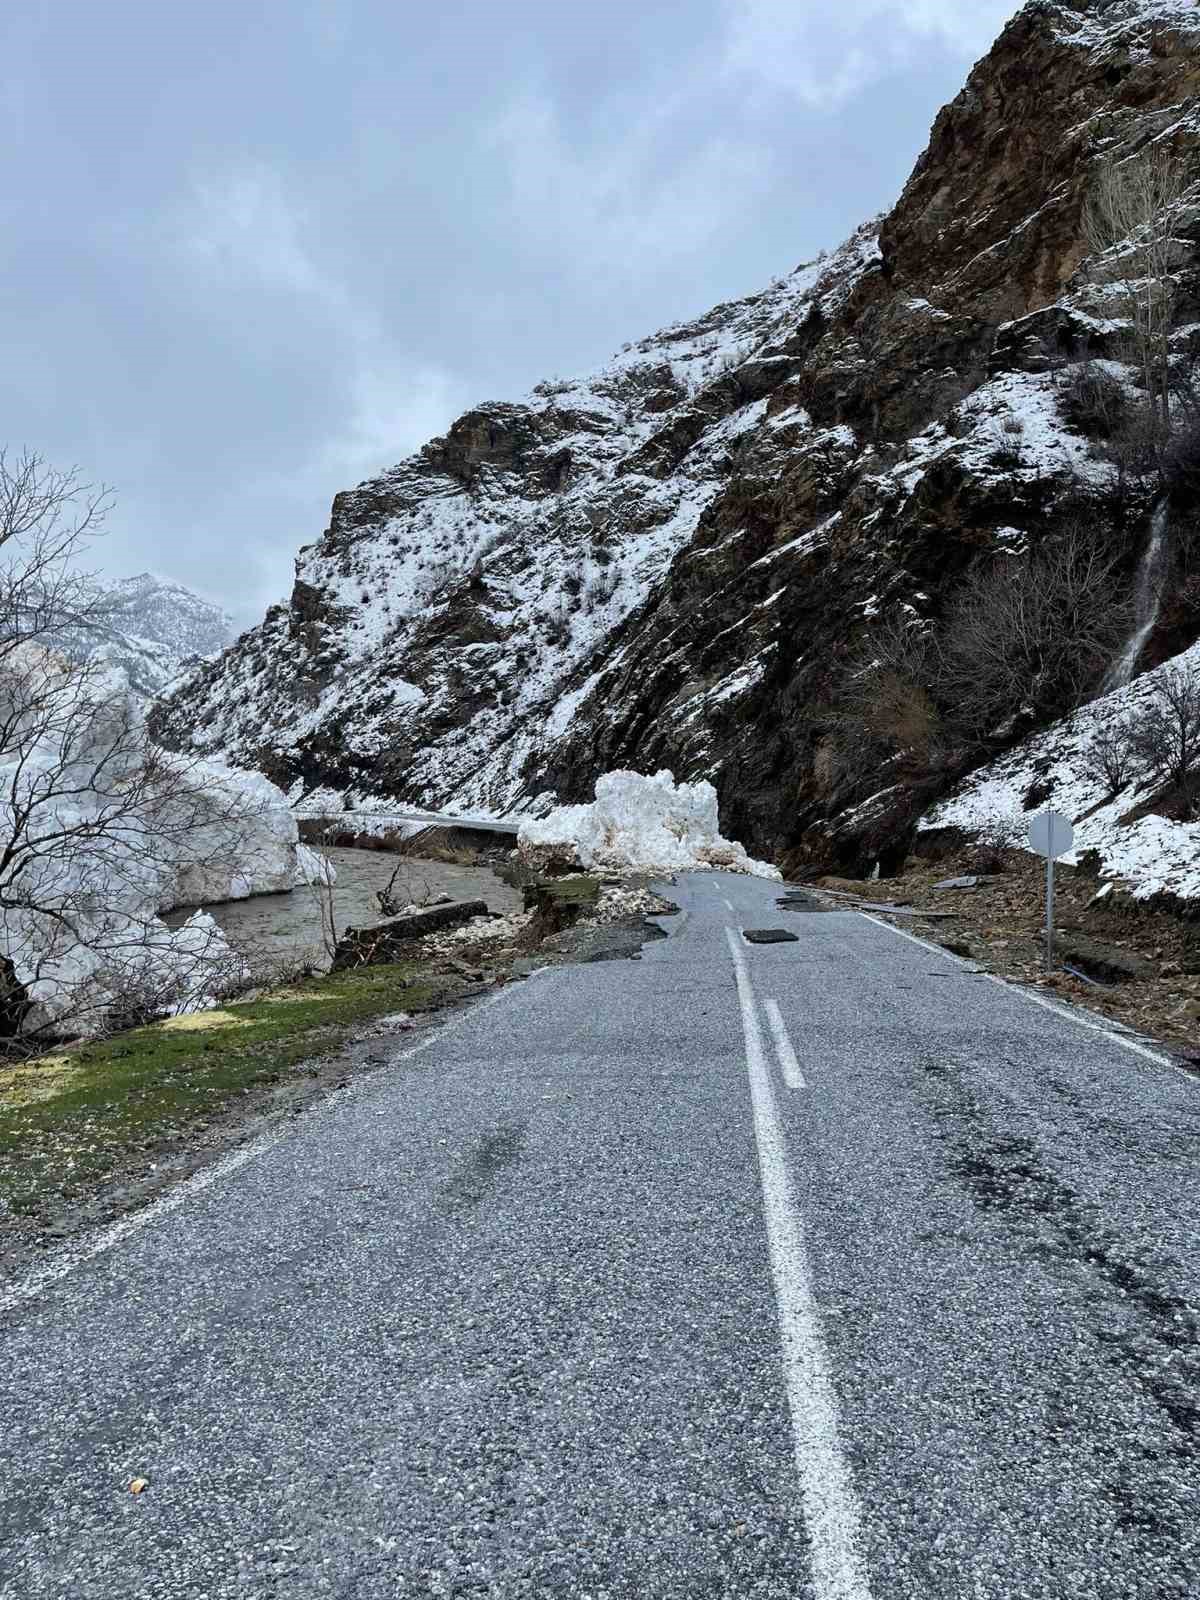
828,1495
790,1067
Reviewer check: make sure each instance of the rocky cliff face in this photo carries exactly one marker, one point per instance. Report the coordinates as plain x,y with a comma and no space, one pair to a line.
663,563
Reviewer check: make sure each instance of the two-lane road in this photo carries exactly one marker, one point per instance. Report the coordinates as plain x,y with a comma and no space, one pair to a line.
827,1269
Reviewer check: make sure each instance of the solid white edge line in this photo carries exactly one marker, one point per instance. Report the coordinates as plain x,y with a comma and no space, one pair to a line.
1078,1016
827,1493
78,1253
792,1074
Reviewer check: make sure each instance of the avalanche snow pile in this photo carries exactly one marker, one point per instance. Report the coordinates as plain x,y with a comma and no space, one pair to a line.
638,824
103,835
1057,767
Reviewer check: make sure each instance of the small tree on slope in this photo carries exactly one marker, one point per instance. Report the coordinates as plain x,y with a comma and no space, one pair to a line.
1165,733
1131,225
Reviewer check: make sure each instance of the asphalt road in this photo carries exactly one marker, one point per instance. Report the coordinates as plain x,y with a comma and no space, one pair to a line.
633,1283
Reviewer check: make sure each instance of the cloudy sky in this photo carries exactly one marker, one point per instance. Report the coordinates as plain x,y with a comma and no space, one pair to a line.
254,252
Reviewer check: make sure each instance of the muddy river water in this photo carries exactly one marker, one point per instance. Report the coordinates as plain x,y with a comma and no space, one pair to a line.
270,929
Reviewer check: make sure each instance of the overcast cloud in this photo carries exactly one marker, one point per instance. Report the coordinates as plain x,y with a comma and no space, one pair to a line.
254,253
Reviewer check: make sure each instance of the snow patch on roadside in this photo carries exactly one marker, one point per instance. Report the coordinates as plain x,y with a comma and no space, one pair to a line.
1151,854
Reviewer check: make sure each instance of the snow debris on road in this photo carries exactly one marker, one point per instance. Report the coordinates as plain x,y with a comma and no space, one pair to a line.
638,824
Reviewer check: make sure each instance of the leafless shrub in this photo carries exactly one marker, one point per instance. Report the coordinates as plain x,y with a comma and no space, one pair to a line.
556,624
405,888
1005,447
885,712
1093,401
1181,460
323,890
1165,734
1135,446
988,850
604,586
142,990
1111,757
1030,638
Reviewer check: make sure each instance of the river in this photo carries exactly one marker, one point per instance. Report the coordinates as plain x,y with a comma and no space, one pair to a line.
276,929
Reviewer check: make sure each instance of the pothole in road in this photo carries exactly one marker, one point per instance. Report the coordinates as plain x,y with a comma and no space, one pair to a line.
800,901
768,936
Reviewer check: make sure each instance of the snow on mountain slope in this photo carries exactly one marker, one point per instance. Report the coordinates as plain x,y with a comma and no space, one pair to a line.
664,564
1150,854
149,627
500,558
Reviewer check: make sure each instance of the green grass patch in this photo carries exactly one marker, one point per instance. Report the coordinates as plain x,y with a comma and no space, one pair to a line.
90,1113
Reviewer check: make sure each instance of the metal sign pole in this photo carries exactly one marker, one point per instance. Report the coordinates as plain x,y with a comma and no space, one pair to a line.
1051,835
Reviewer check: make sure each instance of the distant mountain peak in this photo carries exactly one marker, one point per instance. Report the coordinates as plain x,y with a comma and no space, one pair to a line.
153,627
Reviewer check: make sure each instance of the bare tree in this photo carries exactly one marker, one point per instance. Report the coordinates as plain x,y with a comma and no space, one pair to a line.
1130,223
1165,733
322,887
97,825
48,518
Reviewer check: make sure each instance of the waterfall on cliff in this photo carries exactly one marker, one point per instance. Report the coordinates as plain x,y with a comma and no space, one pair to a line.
1147,597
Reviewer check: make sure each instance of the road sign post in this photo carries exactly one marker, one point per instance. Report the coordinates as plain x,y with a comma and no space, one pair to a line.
1051,835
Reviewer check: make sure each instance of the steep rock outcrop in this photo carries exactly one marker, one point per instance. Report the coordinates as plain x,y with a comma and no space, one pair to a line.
664,563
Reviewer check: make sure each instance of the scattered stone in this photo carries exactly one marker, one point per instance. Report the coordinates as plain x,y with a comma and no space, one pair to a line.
475,974
768,936
397,1020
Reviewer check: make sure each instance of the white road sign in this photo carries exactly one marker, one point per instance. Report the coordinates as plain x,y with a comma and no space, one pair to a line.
1051,834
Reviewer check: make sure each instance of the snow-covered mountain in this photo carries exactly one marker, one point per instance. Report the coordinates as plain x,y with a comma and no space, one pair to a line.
666,562
151,627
